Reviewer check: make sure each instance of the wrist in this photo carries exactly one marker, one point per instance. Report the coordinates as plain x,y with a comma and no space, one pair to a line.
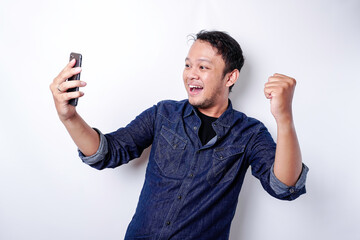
69,120
285,121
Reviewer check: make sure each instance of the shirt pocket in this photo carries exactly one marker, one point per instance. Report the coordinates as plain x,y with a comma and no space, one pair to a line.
225,164
169,153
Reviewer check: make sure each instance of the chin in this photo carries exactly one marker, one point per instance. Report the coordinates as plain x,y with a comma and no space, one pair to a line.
203,104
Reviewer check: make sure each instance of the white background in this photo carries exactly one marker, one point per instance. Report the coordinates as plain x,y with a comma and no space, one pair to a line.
133,57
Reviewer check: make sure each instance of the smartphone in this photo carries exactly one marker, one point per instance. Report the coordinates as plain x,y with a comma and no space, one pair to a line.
78,58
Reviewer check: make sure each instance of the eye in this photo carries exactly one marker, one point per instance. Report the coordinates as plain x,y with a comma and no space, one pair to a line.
203,67
187,65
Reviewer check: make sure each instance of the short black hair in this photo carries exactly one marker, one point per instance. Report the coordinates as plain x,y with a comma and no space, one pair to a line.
226,46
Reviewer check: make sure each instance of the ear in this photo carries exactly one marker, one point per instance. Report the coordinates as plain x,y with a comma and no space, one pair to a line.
232,77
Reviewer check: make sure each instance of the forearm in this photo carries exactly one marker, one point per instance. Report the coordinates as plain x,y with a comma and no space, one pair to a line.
86,138
288,162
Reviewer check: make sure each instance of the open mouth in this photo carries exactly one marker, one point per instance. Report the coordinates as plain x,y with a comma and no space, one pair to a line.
195,88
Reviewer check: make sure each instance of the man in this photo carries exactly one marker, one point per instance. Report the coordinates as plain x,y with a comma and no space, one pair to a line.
201,147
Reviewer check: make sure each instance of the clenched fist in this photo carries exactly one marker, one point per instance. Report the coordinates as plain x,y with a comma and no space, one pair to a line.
280,90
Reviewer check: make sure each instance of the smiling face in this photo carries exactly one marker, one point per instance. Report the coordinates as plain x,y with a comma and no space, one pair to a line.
207,88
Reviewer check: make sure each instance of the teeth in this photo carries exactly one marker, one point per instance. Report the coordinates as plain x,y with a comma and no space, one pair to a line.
193,86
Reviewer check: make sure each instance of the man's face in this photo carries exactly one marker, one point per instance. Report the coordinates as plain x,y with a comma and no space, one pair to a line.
203,77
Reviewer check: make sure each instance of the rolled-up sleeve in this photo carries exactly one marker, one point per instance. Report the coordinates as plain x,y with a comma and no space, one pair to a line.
125,144
281,188
100,153
262,158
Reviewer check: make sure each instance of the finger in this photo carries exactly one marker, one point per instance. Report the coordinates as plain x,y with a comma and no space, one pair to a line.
66,73
276,79
268,94
277,84
70,95
268,91
68,69
281,82
63,87
273,89
68,66
281,75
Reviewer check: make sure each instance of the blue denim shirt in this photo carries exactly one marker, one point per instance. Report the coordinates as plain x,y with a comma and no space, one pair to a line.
190,190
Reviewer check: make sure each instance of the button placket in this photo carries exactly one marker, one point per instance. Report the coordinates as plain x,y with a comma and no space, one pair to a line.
177,204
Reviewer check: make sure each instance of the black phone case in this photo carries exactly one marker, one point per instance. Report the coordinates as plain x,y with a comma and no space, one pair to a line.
78,58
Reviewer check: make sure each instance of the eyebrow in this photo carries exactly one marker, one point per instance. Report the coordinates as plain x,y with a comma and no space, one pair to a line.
200,60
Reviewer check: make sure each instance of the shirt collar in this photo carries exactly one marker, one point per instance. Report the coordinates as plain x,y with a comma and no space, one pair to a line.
222,124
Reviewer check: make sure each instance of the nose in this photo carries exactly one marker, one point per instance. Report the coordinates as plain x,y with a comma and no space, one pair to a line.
191,73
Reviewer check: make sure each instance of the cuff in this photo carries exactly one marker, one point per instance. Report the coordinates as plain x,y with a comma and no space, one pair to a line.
281,188
100,153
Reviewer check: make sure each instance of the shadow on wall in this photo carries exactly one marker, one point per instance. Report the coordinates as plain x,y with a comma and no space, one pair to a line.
237,95
238,98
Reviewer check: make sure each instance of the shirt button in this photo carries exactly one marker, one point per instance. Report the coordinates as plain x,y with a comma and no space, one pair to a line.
195,128
191,175
292,190
179,197
168,223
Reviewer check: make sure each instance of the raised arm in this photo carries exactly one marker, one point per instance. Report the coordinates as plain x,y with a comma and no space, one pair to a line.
86,138
288,163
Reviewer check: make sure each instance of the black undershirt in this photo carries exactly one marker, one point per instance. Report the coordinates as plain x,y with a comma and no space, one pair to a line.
206,132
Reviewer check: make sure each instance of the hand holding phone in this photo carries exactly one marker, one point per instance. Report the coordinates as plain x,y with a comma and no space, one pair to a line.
78,59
